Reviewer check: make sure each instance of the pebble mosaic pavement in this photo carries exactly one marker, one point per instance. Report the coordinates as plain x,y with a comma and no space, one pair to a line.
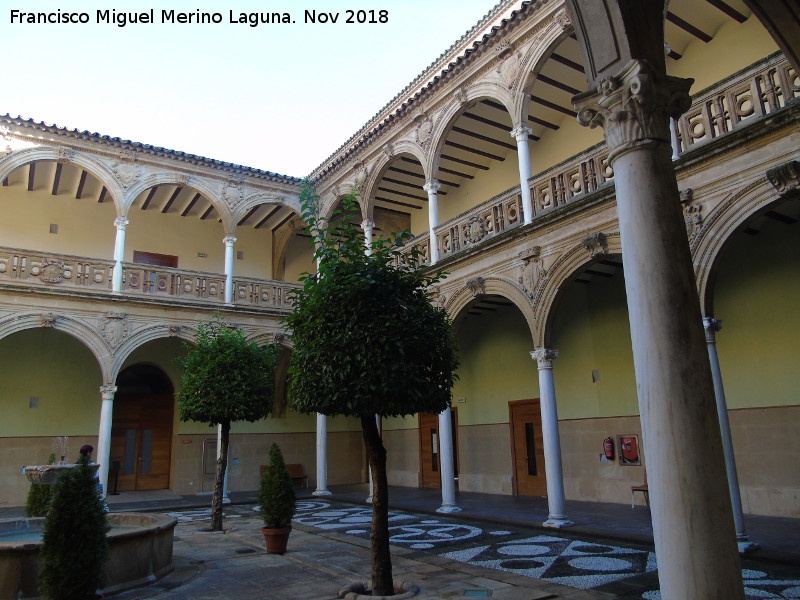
626,570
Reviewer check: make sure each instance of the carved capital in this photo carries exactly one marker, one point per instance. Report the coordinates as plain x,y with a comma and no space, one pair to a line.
544,357
633,107
711,327
367,225
521,133
107,391
596,244
229,240
121,223
785,178
432,186
477,286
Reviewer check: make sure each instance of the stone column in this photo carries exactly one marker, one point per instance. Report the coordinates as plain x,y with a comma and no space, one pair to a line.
432,187
104,435
121,223
229,241
322,457
556,504
521,133
712,326
446,467
367,226
690,504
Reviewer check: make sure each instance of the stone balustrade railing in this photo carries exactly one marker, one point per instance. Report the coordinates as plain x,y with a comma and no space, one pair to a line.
46,269
50,270
761,90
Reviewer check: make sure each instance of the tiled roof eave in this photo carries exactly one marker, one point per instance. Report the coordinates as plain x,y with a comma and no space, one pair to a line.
382,119
156,151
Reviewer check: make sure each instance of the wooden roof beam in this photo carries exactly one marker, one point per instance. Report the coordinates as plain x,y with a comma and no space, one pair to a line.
81,183
268,217
31,176
57,179
688,27
172,198
191,204
150,195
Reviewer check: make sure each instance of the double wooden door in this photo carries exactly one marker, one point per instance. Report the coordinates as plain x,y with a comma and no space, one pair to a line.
141,442
527,448
430,463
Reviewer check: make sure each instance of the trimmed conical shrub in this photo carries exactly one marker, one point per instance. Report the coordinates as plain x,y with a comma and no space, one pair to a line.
276,496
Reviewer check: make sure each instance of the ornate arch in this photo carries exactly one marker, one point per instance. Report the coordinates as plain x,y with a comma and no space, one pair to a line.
98,168
462,100
148,334
82,332
210,190
552,32
490,286
393,151
708,246
561,272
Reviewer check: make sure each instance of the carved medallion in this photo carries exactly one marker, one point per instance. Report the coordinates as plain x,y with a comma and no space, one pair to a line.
114,328
563,19
174,330
694,220
53,271
424,133
65,155
232,193
126,172
48,319
474,229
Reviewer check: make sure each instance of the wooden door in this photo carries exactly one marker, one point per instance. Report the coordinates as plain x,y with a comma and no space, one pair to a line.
430,476
527,448
141,442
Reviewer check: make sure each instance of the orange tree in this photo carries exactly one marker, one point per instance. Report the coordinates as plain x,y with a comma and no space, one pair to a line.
367,341
225,379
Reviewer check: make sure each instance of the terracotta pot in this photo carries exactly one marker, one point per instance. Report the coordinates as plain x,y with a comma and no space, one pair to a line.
276,539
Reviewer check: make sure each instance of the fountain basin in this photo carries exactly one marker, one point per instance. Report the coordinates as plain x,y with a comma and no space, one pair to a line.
140,552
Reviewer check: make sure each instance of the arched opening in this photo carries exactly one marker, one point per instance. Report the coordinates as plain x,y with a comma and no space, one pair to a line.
141,434
399,201
497,385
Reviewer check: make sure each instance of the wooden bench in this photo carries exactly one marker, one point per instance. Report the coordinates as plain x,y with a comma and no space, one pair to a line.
641,488
295,472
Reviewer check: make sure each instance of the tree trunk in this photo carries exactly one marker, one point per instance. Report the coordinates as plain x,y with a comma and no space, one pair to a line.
382,584
222,466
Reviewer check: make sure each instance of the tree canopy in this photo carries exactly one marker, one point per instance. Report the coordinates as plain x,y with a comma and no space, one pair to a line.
366,338
225,377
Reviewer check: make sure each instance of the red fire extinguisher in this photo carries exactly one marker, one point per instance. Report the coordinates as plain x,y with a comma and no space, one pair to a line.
608,448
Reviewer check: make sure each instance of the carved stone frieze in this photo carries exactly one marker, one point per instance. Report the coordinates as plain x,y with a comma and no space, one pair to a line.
633,107
596,244
477,285
785,178
114,328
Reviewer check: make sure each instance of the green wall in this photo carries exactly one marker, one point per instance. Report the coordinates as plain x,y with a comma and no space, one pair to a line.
60,371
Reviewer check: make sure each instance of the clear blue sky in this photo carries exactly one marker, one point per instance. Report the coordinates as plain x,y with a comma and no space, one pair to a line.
280,97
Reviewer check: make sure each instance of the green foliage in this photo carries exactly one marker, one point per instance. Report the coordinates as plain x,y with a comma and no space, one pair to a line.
74,546
367,339
225,377
38,499
276,497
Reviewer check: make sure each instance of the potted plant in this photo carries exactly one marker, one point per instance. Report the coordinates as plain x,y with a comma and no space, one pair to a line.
277,500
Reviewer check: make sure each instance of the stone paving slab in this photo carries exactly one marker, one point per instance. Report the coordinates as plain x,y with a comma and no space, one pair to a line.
234,565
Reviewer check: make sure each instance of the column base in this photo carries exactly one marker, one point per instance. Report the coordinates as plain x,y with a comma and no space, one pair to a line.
746,546
226,500
448,508
558,522
368,500
321,493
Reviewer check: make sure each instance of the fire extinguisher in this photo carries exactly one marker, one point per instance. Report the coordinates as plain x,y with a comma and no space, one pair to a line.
608,448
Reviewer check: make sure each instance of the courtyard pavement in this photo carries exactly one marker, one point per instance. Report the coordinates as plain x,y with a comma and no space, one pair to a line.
494,548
